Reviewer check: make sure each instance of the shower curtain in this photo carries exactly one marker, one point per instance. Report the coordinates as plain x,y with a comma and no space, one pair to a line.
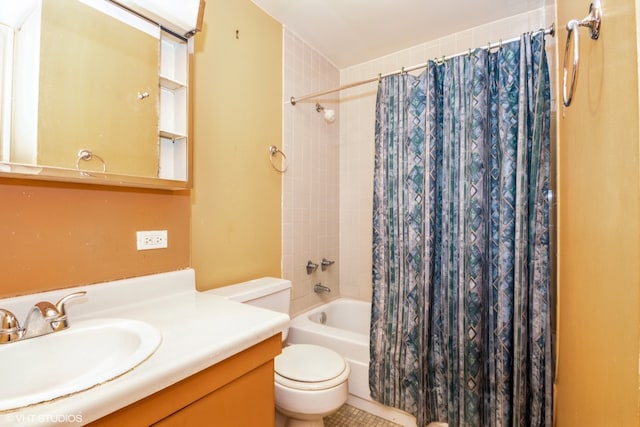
461,309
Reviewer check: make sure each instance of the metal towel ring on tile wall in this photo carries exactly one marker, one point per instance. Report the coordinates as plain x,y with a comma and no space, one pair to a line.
273,150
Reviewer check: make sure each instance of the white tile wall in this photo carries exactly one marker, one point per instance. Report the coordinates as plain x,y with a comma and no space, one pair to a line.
310,186
328,189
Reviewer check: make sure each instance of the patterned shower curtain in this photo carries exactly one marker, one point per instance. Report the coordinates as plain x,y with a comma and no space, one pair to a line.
461,312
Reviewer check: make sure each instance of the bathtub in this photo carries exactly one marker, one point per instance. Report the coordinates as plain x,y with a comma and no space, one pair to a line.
343,326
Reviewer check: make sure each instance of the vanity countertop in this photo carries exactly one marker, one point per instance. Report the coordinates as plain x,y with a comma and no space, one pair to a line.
199,329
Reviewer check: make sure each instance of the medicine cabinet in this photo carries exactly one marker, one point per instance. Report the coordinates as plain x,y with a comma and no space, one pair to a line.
92,92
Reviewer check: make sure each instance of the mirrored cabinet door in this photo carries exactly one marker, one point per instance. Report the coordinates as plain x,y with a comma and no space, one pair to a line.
95,95
92,92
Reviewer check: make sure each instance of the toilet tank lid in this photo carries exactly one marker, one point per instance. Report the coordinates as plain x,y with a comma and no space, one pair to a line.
252,289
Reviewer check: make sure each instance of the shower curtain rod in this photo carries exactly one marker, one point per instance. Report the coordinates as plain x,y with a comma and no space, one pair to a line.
547,31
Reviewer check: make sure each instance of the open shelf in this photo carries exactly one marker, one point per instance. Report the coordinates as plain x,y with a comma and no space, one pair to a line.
171,84
173,130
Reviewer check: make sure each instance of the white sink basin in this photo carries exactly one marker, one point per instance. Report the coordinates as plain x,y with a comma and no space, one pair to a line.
86,354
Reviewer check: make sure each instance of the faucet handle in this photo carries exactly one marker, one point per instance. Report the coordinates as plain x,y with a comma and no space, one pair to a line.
311,267
60,305
62,322
9,327
326,263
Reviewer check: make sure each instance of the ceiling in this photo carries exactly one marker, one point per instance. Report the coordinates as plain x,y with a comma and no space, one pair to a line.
349,32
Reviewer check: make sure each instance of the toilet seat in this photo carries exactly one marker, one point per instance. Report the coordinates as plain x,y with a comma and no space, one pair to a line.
310,367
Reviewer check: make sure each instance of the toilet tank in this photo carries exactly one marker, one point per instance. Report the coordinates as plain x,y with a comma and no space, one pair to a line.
267,292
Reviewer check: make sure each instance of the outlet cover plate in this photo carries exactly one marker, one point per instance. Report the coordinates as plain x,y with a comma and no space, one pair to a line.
154,239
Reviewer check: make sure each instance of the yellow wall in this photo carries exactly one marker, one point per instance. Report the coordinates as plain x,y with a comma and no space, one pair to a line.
599,217
236,200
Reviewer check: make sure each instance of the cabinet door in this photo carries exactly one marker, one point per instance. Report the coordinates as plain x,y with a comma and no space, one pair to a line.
247,401
238,391
92,68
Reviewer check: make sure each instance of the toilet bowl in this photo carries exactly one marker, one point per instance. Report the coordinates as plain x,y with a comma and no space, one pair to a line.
310,380
310,383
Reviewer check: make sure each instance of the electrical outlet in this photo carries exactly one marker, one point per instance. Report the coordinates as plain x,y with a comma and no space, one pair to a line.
156,239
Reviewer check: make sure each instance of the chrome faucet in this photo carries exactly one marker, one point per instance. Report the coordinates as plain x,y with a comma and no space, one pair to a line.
311,267
319,288
43,318
9,327
326,263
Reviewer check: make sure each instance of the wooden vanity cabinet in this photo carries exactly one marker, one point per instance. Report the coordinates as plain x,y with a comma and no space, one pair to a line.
238,391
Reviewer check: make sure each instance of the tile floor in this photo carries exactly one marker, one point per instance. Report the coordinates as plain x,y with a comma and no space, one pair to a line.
348,416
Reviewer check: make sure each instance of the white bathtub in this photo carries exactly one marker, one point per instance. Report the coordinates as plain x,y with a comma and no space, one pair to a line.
346,331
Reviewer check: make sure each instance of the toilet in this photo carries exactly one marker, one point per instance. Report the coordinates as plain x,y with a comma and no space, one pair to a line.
310,380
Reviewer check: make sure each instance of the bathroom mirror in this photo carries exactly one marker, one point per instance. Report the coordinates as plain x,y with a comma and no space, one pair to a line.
92,93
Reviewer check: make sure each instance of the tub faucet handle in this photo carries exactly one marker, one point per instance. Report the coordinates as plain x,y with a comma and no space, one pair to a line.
311,267
326,263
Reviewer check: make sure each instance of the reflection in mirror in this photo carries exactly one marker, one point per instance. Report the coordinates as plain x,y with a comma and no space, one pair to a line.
76,80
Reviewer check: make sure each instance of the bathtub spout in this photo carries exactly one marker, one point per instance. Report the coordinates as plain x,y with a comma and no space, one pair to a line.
319,288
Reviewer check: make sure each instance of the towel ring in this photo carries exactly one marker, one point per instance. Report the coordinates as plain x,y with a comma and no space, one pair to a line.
592,21
87,155
572,30
273,150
